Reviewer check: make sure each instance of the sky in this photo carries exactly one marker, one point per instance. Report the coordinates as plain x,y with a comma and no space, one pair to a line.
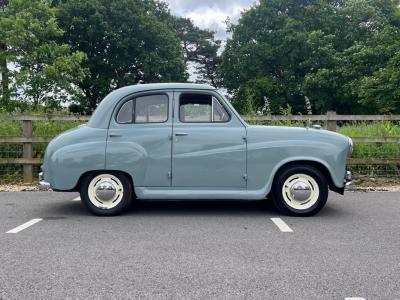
210,13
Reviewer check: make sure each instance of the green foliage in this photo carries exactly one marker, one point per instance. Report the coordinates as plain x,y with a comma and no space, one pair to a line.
381,90
363,129
76,52
339,54
126,42
200,48
45,71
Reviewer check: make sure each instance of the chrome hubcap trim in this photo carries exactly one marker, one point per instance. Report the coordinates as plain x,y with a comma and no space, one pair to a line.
105,191
300,191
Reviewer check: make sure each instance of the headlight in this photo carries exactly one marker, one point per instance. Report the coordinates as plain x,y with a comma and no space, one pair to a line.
351,145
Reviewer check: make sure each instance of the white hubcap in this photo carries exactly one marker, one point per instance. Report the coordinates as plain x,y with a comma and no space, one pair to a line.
105,191
300,191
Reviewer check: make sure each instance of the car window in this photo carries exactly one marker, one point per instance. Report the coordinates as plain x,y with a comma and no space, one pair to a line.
151,109
145,109
219,112
200,108
125,114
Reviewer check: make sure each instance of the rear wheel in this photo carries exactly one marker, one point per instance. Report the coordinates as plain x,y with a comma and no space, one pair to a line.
300,190
106,194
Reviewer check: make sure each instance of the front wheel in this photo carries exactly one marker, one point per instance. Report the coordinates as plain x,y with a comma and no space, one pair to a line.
106,194
300,191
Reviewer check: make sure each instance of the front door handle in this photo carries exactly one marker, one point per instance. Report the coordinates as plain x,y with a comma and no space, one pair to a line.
114,135
181,134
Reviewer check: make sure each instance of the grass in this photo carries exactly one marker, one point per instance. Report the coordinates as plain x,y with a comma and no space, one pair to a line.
353,129
370,129
13,173
40,128
373,129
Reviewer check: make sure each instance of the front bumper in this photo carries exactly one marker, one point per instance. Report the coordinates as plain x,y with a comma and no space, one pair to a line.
43,185
348,180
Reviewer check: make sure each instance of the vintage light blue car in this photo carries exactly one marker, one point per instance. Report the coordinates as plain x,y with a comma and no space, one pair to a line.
186,141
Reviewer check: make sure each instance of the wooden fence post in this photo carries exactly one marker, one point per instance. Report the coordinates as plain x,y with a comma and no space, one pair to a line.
331,124
27,150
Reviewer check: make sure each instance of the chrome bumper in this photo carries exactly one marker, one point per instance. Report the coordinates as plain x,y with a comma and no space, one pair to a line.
348,180
43,185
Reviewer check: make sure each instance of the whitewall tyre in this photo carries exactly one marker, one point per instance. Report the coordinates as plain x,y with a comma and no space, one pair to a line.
300,190
106,193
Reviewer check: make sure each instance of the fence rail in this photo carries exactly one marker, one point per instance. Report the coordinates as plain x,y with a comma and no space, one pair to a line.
330,119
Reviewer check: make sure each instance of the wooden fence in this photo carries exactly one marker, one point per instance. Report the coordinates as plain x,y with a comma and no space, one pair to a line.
330,120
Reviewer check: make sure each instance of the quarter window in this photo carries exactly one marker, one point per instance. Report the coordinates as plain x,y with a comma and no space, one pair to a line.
145,109
200,108
125,114
219,112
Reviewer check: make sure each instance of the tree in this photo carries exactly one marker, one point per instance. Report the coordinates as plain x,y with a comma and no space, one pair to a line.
3,65
322,50
364,44
44,71
200,49
126,42
380,91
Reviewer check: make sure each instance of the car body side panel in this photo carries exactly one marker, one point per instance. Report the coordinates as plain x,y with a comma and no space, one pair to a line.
73,153
145,154
142,150
211,154
269,148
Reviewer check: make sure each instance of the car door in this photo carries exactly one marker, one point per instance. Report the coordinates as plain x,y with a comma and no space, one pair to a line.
139,139
209,146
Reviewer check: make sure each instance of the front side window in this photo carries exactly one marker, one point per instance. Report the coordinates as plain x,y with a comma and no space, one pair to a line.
201,108
145,109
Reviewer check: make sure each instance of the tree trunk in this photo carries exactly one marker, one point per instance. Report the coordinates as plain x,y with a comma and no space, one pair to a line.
4,77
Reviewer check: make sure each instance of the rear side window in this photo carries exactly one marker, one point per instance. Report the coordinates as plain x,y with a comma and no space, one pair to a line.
151,109
145,109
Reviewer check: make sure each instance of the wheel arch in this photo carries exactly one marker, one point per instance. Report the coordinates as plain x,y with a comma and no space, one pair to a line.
320,166
83,175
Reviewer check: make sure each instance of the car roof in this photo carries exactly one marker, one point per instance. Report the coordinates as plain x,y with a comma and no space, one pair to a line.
102,114
163,86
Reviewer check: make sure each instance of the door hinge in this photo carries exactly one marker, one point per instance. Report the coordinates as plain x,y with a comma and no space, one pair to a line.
245,177
169,174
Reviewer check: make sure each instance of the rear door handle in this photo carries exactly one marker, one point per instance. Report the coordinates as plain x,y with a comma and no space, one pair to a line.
181,134
114,135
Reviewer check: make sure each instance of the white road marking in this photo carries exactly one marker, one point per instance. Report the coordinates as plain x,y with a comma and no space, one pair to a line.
77,199
24,226
354,298
281,225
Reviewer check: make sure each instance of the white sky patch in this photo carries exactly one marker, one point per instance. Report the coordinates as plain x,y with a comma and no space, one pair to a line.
210,14
214,18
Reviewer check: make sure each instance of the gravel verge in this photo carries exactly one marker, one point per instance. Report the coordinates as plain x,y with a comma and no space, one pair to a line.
355,188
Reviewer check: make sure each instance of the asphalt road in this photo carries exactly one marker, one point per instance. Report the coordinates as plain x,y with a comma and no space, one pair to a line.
199,250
